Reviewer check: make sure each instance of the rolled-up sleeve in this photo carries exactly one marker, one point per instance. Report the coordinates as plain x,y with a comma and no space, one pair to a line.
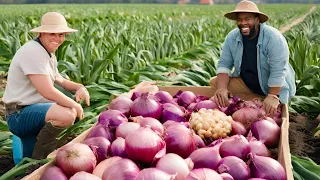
226,62
278,60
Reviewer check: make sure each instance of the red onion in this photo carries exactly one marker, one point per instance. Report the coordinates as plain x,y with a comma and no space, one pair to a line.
112,118
143,145
118,148
126,128
148,121
258,148
84,176
154,174
179,140
208,157
173,164
122,104
135,95
199,142
266,132
226,176
234,166
238,146
170,122
146,106
186,98
247,115
123,169
201,98
172,112
192,107
277,117
99,146
104,165
164,97
203,173
238,128
53,173
207,104
256,179
266,167
102,131
75,157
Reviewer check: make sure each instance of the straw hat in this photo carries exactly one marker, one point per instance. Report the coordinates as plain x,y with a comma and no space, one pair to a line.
53,22
249,7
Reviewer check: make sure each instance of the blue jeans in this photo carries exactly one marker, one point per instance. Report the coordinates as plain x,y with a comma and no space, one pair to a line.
27,123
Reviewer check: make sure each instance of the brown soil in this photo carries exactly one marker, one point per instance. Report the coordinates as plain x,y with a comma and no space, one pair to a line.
297,21
301,140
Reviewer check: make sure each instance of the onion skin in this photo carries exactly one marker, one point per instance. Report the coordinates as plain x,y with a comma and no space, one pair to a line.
247,115
238,128
123,169
122,104
175,144
126,128
234,166
53,173
203,173
172,112
100,147
154,174
226,176
266,132
143,145
112,118
174,164
199,142
104,165
207,104
258,148
118,148
101,130
266,167
84,176
146,106
186,98
75,157
208,157
238,146
152,122
164,97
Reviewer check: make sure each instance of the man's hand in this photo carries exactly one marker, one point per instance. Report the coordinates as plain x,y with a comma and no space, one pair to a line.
222,97
270,104
82,93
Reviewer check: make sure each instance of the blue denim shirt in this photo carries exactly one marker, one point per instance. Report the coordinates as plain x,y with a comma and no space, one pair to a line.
274,69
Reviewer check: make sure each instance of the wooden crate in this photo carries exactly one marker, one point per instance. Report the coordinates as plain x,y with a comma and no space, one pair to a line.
284,151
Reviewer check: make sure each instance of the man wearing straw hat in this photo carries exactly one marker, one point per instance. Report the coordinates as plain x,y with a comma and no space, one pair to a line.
254,61
35,110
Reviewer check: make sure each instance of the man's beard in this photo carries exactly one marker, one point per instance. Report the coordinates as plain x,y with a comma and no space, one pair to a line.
251,34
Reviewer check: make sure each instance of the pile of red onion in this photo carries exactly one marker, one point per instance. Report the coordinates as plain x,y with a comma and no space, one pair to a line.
148,136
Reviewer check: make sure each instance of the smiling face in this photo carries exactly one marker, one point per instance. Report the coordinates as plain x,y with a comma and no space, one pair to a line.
248,23
51,41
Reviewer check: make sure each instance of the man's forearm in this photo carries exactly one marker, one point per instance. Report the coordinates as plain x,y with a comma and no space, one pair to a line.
223,80
274,90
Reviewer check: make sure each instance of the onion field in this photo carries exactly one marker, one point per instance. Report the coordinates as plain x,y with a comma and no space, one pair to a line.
121,45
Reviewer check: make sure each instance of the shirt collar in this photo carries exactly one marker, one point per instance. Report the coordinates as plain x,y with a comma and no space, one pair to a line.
37,39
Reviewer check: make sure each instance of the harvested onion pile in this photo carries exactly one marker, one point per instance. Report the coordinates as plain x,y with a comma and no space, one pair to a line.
211,123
